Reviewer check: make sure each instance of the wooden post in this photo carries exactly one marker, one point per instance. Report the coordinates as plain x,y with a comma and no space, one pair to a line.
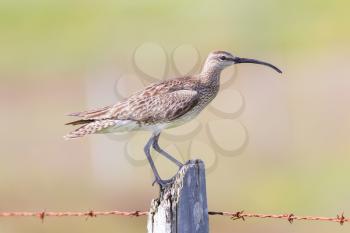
182,207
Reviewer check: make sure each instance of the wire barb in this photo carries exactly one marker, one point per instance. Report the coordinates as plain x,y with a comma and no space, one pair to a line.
42,216
341,218
238,215
290,218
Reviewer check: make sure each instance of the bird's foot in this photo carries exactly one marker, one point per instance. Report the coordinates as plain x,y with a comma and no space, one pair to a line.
164,183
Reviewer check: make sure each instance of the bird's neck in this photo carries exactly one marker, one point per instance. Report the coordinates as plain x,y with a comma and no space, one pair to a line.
210,75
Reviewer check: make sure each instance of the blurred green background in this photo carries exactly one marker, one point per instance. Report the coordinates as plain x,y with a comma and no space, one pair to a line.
54,54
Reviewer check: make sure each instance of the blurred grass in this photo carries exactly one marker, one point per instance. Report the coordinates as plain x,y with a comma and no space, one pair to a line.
67,34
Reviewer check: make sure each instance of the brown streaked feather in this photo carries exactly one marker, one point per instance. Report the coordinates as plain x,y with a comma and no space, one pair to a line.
91,113
79,122
138,100
160,108
90,128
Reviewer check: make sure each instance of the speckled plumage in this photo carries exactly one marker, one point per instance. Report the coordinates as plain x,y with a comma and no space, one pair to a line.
163,104
160,105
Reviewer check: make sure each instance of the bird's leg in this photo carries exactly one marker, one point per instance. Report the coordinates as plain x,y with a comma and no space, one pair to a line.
163,152
147,149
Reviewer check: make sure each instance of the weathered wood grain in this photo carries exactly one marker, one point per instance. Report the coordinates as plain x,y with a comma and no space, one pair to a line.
182,207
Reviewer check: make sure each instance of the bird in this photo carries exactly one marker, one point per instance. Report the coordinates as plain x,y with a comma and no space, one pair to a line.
159,106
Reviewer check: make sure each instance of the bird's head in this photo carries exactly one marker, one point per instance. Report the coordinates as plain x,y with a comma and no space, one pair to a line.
219,60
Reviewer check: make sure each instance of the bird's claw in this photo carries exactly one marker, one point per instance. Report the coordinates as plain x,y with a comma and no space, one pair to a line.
163,183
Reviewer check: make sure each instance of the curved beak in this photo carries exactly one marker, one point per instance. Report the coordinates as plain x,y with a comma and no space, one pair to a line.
238,60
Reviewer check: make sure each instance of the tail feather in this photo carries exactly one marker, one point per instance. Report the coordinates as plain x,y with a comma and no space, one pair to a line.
89,128
79,122
94,113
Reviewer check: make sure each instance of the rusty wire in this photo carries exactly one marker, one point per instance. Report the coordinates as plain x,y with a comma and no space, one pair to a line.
234,215
289,217
91,213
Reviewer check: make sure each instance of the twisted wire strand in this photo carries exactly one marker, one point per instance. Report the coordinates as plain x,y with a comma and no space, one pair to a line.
233,215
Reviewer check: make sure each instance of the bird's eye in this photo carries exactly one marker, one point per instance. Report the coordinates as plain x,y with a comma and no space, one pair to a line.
222,58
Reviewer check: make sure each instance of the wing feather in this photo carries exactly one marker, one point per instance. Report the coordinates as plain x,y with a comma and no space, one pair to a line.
159,108
168,99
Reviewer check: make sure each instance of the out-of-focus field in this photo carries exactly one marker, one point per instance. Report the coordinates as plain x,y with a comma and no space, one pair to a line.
57,56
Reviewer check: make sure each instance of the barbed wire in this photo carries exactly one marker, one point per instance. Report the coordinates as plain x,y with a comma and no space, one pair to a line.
90,213
290,217
234,215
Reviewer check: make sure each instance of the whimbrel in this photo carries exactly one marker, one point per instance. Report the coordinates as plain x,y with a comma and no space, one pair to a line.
160,106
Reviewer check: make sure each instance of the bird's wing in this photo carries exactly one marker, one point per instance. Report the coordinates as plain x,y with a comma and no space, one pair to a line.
148,94
152,109
159,108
